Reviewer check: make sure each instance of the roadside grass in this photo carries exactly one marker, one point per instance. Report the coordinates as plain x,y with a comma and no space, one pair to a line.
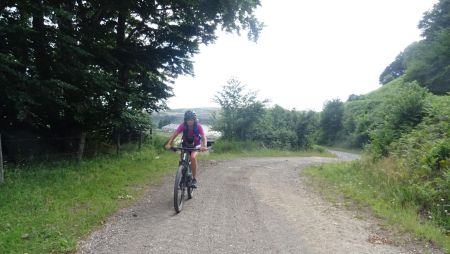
48,209
366,186
227,150
263,153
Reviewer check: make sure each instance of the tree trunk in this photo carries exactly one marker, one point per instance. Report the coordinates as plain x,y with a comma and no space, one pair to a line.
1,161
140,140
151,134
81,146
42,61
120,100
120,44
118,144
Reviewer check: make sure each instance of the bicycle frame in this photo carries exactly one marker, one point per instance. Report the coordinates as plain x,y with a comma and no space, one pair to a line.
186,162
185,155
183,178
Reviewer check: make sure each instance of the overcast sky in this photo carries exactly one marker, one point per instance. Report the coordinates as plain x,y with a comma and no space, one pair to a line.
309,52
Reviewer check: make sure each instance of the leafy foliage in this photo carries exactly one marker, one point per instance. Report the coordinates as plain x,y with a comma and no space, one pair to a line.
394,70
244,118
425,151
402,111
430,65
377,118
427,61
241,111
331,122
165,121
436,19
406,131
68,67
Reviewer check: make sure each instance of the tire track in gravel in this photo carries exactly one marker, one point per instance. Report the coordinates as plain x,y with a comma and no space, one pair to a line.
252,205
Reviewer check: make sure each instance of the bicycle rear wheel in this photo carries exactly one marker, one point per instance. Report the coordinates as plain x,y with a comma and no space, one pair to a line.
179,190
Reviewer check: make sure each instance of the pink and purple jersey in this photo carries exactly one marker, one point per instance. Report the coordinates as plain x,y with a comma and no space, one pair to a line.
190,133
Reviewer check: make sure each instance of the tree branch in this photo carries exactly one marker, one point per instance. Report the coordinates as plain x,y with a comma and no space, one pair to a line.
138,27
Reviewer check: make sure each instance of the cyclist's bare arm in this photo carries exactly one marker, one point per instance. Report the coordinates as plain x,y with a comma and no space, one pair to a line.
170,141
204,144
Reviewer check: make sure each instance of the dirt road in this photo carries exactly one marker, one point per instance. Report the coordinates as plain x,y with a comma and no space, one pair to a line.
241,206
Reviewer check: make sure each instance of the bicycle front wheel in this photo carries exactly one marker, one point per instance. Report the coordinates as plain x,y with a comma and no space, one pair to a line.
189,187
179,190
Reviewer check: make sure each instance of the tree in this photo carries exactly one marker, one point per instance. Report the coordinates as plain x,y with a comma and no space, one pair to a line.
427,61
430,65
240,112
276,128
436,19
394,70
68,67
165,121
306,126
331,121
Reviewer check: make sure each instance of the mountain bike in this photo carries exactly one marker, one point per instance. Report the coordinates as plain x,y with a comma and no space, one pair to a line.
183,178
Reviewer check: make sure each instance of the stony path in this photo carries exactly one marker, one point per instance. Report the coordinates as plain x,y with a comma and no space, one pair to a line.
241,206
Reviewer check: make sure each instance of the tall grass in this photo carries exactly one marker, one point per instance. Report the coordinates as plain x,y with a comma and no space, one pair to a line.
47,209
229,149
383,186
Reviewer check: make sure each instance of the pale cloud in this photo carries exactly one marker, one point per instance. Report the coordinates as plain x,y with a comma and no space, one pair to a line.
309,52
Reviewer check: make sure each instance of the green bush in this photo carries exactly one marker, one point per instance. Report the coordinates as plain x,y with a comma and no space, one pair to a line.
425,153
408,132
319,149
438,157
402,110
158,141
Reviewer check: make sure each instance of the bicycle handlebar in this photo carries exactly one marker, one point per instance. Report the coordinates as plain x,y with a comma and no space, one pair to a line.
185,149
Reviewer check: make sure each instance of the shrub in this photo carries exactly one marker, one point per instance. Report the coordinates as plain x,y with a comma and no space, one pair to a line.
401,111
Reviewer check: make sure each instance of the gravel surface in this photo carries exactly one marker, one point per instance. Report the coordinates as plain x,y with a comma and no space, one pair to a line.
252,205
345,156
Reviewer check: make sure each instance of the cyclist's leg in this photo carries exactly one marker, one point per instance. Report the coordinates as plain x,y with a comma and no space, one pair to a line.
194,163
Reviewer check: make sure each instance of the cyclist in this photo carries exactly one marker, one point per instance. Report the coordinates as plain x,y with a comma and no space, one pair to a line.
193,137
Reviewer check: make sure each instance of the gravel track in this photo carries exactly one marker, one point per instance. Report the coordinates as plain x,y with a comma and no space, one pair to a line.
252,205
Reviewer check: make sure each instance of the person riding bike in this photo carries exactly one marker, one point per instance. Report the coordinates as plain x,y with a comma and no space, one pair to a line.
193,137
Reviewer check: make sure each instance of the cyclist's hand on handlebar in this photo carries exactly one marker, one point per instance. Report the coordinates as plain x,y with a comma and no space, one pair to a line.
168,146
203,148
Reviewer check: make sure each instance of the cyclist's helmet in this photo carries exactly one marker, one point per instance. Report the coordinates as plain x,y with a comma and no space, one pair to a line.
190,115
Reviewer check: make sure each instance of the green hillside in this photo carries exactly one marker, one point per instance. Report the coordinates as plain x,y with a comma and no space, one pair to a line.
404,175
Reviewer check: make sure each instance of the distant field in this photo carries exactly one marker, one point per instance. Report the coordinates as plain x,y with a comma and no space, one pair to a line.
176,115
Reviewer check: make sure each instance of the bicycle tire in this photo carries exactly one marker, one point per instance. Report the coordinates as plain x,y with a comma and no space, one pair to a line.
179,190
189,188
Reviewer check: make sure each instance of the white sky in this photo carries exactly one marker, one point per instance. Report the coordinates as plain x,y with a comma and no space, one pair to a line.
309,52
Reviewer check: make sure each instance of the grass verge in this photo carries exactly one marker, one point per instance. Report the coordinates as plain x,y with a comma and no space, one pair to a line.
225,150
47,209
367,186
263,153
